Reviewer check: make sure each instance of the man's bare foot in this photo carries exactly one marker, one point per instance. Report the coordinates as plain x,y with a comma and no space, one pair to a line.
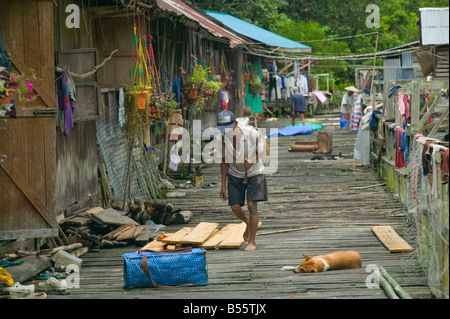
250,247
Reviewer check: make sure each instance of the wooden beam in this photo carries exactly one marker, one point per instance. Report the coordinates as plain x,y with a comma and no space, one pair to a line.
434,103
415,107
443,117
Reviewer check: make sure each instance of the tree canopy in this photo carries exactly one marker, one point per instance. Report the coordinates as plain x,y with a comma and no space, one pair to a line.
332,27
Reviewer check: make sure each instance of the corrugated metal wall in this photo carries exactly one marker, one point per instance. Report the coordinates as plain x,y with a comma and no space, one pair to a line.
405,70
434,26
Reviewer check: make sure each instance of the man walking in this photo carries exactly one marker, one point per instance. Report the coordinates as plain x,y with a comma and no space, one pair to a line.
243,169
298,103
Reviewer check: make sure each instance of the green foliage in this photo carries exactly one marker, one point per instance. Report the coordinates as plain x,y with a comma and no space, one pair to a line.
306,20
263,13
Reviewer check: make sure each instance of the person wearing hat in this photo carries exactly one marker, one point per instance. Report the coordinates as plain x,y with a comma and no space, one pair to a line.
348,101
298,103
242,171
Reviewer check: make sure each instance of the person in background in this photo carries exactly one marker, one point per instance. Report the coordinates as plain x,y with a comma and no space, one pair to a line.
348,101
298,104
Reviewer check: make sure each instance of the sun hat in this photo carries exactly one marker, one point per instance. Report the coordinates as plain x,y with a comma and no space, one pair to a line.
352,88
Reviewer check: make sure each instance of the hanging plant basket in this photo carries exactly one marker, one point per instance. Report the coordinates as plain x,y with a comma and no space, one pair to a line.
193,94
5,100
142,96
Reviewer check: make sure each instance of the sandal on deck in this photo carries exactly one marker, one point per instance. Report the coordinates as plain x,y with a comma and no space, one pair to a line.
52,284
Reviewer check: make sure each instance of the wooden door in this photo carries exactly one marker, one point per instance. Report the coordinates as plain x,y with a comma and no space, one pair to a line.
27,173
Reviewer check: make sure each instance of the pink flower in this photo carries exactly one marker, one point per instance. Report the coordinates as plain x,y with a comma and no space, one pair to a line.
29,85
30,89
13,78
30,96
37,95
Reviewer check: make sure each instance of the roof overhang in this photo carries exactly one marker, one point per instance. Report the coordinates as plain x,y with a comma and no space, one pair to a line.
180,8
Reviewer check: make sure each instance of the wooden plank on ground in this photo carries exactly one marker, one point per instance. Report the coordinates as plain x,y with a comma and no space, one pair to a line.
111,217
235,238
214,241
156,245
390,239
116,232
30,267
94,210
200,233
178,236
144,236
130,233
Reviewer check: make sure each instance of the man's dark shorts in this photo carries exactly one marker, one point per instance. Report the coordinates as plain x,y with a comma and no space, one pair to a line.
256,189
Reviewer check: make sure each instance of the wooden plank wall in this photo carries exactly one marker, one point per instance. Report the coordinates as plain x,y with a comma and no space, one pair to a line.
76,154
441,69
27,183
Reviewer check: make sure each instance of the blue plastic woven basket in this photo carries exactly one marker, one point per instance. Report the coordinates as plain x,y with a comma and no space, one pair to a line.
166,269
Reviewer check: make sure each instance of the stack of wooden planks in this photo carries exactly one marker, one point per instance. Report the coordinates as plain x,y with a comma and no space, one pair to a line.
205,235
105,228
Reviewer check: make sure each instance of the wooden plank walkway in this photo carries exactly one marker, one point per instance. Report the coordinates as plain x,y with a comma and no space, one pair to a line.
302,193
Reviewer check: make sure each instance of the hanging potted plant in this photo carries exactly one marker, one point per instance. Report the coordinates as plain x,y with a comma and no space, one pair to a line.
143,72
200,88
141,94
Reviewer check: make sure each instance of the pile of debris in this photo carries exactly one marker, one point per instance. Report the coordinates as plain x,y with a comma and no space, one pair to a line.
113,227
46,270
34,274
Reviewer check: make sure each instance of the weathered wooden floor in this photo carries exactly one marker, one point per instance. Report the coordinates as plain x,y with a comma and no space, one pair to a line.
302,193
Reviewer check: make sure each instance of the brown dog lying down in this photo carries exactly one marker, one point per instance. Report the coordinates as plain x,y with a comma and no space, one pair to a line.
334,261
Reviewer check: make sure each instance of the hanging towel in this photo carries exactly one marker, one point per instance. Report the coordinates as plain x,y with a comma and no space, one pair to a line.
356,114
404,145
121,108
401,104
65,104
399,156
445,166
426,158
176,89
406,101
303,87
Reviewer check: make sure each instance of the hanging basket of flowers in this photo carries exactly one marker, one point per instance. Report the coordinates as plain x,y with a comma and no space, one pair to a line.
200,88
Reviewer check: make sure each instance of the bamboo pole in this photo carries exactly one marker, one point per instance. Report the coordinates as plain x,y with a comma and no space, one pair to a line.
397,288
127,181
287,230
386,286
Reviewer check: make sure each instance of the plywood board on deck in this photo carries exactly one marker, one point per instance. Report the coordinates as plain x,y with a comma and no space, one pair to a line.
178,236
390,239
200,233
235,238
156,245
214,241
